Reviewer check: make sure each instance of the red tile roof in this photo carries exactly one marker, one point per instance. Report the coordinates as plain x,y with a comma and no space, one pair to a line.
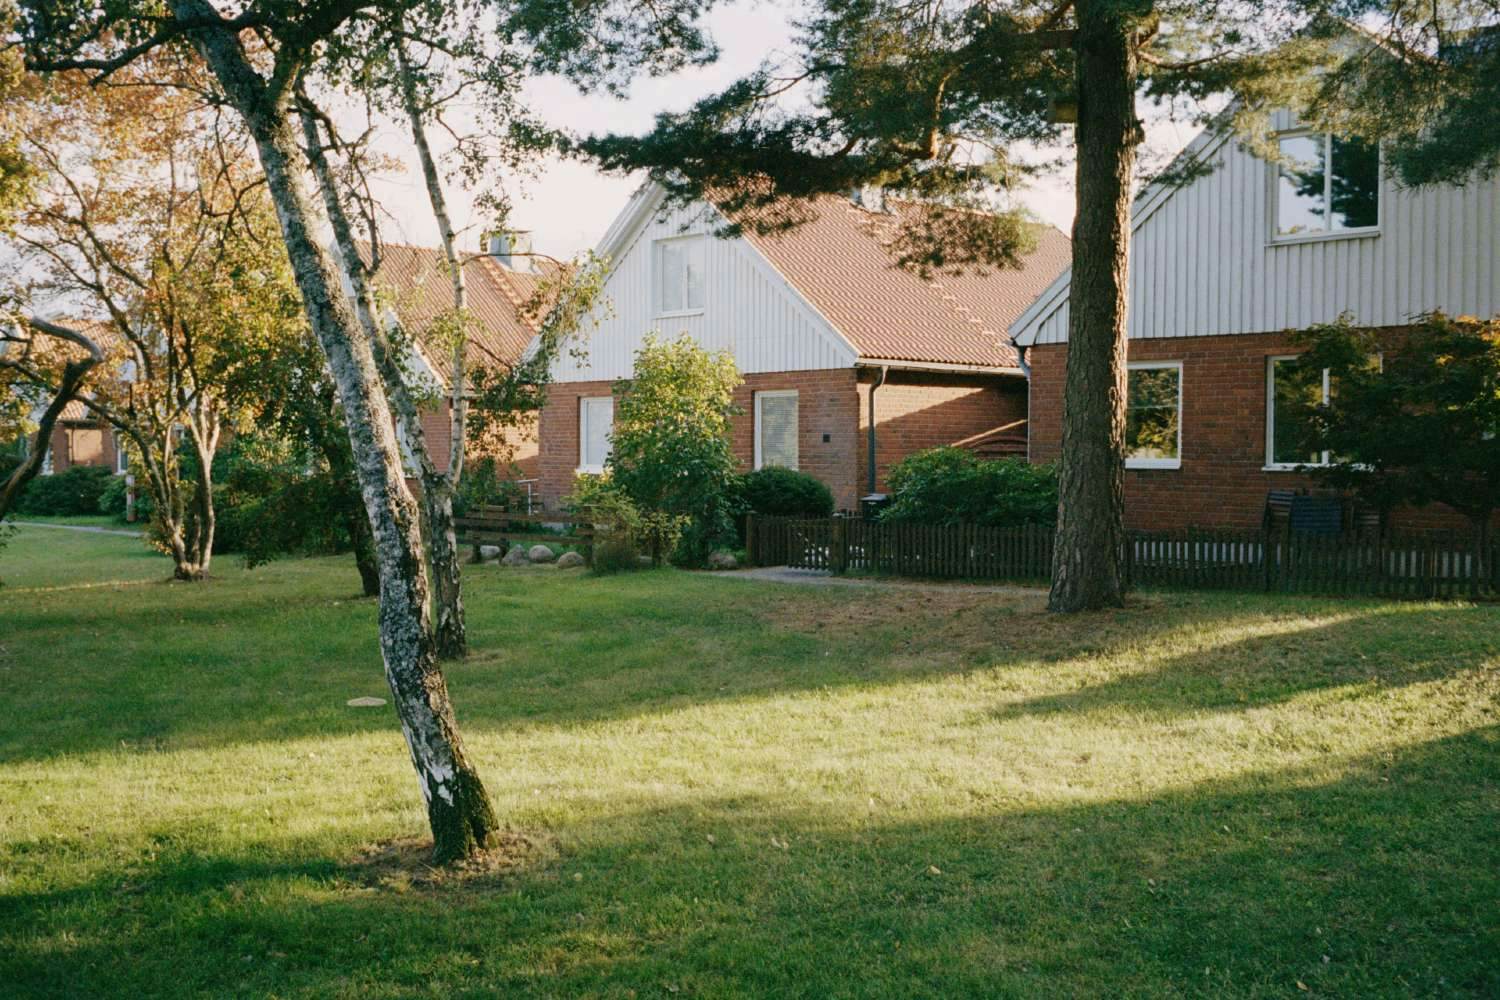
841,261
416,280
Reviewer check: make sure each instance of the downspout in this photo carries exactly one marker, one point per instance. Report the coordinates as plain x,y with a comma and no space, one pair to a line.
1026,371
870,444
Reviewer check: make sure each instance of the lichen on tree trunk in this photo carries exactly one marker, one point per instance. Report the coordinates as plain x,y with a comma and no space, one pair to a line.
1086,565
458,809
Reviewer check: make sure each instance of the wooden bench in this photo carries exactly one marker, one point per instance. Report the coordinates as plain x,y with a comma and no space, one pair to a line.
487,525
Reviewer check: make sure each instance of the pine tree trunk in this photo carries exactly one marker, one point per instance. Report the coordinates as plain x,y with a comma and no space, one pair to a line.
458,808
1086,569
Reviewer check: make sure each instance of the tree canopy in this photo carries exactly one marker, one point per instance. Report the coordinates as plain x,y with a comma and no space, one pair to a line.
1414,424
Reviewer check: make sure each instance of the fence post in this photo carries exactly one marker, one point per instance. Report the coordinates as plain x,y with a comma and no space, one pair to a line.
750,546
838,548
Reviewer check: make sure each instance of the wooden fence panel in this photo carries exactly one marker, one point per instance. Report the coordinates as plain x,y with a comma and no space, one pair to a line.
1417,566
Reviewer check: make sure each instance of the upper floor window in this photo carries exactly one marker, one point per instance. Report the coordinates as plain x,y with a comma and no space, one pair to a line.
679,275
1326,185
1153,415
596,418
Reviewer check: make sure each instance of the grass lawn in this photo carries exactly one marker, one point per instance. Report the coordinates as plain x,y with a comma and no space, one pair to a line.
737,789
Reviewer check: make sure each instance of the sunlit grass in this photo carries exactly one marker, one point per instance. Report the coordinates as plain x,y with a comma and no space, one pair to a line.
735,789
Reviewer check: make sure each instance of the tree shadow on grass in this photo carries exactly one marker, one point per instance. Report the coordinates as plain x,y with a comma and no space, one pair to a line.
1379,878
1386,648
276,658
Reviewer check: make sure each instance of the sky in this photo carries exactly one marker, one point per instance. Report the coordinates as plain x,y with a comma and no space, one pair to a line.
570,205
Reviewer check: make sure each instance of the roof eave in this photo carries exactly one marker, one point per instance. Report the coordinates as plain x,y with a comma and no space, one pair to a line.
955,368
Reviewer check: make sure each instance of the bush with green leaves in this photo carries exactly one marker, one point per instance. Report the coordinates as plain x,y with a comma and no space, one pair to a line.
953,486
113,501
488,482
73,492
670,449
622,531
776,491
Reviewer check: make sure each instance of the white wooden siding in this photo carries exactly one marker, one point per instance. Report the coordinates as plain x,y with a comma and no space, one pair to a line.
748,308
1202,260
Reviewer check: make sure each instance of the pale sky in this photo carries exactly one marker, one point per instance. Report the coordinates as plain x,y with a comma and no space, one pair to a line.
570,205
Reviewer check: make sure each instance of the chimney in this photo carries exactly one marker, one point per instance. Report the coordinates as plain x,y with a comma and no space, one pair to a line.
512,248
870,197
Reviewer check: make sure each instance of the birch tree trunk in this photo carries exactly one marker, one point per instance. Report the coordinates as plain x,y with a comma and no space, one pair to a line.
1090,516
458,808
436,497
450,632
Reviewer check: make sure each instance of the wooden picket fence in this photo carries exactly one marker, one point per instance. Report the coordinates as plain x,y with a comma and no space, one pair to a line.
1418,566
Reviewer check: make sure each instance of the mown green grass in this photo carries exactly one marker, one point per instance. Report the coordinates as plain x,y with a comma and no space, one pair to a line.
737,789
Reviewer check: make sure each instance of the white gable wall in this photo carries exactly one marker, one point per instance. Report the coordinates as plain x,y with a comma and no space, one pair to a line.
1202,262
749,309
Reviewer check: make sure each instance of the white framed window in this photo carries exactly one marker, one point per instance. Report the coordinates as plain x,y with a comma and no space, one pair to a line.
596,419
1288,387
679,275
122,456
1325,187
1153,415
776,428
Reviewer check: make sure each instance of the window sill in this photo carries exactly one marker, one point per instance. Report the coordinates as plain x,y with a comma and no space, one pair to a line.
679,314
1153,463
1345,234
589,470
1304,467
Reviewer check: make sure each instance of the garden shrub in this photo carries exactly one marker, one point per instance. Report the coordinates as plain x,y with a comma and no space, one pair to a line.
486,483
670,451
780,492
622,531
113,500
64,494
953,486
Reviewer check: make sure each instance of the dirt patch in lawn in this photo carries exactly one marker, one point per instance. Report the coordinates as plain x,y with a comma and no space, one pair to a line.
955,620
405,864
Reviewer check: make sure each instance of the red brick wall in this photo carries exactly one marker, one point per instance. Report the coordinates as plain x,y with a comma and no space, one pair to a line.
915,411
827,405
82,444
518,445
1222,481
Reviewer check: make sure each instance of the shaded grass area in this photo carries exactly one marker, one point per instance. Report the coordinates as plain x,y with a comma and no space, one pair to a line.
734,789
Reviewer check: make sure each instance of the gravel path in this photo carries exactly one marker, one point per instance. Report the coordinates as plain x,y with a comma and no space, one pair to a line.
78,527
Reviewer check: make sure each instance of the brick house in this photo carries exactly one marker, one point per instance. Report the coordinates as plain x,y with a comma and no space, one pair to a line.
1222,269
826,331
415,283
78,437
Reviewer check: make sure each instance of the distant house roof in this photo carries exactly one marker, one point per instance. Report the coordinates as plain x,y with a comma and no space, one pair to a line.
101,332
416,280
840,260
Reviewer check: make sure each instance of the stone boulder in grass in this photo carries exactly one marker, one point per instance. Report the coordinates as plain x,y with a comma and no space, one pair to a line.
541,554
569,560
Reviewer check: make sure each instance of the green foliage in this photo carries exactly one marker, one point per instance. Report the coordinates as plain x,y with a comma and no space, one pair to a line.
622,531
952,486
782,492
1411,425
113,500
488,481
670,450
74,491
